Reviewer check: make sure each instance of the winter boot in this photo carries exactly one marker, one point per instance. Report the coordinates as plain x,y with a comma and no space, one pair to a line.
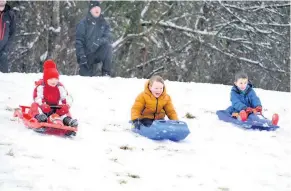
41,117
275,119
243,115
68,121
105,73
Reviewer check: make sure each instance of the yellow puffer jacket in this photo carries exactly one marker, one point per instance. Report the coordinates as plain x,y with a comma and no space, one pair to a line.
148,106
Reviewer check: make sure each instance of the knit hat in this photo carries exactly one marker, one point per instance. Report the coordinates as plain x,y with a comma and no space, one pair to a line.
50,70
94,4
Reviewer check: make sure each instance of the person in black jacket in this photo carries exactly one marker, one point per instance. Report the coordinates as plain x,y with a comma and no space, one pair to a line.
93,42
7,31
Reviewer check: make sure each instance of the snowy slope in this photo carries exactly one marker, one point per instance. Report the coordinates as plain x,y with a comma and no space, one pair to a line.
105,155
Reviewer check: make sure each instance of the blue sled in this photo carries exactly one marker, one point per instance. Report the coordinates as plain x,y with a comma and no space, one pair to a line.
164,130
258,122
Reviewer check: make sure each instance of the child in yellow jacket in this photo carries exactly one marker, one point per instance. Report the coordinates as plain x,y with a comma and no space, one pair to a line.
152,104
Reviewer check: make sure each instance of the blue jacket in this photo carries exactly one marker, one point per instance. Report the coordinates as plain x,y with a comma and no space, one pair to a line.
240,100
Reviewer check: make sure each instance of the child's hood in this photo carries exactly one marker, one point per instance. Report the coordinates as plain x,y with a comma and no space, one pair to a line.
148,91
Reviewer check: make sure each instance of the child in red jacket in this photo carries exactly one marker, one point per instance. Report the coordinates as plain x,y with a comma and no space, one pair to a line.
49,92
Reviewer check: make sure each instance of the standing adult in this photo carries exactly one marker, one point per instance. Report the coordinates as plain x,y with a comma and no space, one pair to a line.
93,42
7,31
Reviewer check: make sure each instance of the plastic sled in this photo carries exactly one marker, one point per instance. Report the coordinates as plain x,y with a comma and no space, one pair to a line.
54,126
261,125
164,130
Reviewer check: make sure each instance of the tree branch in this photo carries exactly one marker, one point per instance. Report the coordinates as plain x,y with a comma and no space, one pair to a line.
256,8
160,57
155,71
146,8
174,26
257,63
252,26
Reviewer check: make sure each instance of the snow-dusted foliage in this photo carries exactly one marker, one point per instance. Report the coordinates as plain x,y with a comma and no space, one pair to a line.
199,41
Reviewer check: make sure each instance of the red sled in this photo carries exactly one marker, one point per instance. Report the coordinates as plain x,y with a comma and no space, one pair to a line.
54,126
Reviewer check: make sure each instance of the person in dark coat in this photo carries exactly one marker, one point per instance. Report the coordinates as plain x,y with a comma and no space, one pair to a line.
7,31
93,42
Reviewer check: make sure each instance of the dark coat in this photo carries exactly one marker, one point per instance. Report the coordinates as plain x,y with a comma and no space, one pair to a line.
7,28
91,33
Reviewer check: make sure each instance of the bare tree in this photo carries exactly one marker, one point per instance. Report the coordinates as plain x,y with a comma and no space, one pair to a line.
201,41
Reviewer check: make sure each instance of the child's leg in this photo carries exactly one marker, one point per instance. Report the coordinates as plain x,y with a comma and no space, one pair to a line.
64,113
36,112
69,121
34,109
241,116
259,118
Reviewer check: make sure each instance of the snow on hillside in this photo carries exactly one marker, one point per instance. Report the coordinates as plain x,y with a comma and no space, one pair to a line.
106,155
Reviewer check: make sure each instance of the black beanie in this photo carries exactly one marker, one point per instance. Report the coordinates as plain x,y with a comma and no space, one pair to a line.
93,4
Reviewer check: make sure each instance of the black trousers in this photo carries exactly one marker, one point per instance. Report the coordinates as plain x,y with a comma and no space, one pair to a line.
3,63
104,55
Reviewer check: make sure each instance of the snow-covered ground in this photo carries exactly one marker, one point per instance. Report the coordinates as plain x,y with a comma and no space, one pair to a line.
106,155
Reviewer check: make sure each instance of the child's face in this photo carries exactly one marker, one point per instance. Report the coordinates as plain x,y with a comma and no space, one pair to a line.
241,83
95,11
157,89
52,82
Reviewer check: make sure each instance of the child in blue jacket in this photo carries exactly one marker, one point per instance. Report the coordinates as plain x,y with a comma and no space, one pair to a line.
244,101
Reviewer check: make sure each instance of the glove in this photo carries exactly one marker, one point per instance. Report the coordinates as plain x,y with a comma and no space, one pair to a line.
258,108
63,110
103,41
96,44
137,123
45,108
249,110
4,53
83,61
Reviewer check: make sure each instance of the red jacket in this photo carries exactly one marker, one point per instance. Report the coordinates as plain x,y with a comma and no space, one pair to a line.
44,93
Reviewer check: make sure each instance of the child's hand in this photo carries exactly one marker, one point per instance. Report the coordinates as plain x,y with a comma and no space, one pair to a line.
136,123
63,110
258,108
83,60
249,110
45,108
